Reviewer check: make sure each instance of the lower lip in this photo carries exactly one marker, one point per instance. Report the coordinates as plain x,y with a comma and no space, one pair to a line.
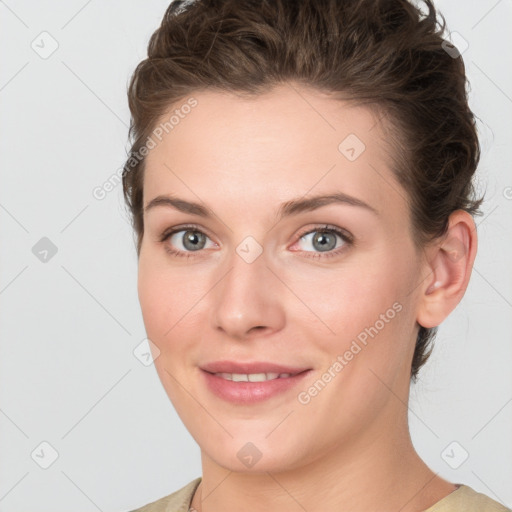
250,392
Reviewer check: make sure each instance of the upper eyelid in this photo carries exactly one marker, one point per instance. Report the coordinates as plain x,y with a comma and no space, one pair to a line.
187,227
339,231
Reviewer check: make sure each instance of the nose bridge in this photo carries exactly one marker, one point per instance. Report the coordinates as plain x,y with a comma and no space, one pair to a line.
247,296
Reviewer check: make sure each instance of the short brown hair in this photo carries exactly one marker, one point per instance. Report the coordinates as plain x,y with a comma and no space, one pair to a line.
385,53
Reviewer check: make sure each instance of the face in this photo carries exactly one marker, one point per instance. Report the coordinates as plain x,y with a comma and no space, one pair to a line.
263,274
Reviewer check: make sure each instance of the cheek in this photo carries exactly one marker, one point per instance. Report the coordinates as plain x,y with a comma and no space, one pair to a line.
342,302
361,312
170,302
369,348
153,301
166,300
159,298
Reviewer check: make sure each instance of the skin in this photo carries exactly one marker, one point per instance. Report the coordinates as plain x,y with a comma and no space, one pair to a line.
350,445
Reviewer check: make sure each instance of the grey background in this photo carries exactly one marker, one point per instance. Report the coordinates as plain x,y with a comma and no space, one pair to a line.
69,326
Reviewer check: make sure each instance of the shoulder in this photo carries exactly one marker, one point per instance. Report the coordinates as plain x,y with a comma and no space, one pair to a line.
178,501
466,499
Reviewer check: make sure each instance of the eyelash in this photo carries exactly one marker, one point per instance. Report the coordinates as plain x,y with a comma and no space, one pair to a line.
347,239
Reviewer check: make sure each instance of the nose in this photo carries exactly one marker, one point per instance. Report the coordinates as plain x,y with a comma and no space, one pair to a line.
248,299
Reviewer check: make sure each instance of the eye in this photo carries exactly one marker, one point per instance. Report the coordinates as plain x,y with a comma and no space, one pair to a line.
325,239
184,240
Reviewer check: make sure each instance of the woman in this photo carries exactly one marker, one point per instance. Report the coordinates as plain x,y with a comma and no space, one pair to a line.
300,182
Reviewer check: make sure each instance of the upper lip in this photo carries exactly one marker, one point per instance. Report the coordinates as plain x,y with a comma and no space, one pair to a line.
254,367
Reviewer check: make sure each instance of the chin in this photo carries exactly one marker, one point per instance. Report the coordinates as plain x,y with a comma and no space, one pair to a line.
259,455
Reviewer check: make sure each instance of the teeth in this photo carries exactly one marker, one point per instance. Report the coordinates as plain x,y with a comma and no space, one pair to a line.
252,377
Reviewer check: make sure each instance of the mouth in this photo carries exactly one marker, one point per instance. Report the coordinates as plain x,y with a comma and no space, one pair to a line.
251,368
248,383
253,377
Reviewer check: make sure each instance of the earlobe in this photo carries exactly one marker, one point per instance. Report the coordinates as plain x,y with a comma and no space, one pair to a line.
450,261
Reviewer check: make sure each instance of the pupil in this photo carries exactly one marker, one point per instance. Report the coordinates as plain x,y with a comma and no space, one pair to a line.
324,243
192,240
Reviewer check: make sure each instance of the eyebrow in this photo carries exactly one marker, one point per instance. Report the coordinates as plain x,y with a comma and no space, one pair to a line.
293,207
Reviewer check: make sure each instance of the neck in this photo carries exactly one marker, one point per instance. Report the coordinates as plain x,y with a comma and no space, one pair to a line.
380,472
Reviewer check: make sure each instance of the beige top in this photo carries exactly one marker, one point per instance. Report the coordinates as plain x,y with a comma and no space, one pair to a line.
463,499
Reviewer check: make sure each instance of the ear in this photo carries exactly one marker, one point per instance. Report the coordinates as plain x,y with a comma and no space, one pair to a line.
449,262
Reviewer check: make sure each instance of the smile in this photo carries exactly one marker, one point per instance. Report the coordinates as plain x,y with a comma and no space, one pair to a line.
251,388
252,377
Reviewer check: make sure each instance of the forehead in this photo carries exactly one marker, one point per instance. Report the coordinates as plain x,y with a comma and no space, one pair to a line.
270,147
